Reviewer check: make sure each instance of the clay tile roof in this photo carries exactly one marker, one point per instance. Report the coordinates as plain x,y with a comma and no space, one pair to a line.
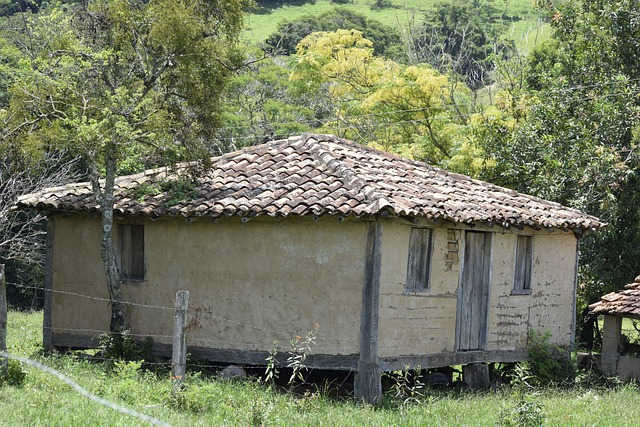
625,303
316,175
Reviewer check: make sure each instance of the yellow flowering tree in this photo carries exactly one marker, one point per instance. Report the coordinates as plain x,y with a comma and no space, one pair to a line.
411,110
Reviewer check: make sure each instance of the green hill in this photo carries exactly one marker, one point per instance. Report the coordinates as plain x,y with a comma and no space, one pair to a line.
527,26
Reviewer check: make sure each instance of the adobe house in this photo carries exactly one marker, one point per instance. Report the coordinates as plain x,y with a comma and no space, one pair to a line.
397,261
616,357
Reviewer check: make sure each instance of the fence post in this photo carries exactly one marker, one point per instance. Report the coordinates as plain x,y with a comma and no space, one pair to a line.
179,350
3,323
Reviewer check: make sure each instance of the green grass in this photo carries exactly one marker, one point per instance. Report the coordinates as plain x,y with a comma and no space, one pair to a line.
525,32
44,400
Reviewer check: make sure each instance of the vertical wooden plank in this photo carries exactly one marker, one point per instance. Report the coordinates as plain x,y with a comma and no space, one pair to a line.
367,384
486,288
419,259
3,323
474,291
47,321
179,350
524,259
137,252
575,295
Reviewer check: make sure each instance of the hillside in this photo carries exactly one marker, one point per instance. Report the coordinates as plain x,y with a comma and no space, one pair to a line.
527,26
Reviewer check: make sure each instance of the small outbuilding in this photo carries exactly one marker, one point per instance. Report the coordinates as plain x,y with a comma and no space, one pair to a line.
619,356
398,262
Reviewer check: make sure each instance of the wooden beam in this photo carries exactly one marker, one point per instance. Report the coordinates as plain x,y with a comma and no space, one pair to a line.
338,362
47,341
440,360
368,385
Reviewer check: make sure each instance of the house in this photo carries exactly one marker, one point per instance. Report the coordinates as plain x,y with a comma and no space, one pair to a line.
615,358
397,262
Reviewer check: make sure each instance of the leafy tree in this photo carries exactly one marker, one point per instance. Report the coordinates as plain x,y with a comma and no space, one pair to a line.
106,76
403,109
261,104
386,40
576,141
461,37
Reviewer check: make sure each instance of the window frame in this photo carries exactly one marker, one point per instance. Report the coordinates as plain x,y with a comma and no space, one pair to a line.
132,265
523,265
419,260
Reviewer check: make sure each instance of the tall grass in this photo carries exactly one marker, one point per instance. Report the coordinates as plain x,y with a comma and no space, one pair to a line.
44,400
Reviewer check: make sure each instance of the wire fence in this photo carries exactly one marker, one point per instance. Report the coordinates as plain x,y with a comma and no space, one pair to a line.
71,383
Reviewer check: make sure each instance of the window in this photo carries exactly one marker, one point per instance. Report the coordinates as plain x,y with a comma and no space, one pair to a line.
524,260
419,262
131,241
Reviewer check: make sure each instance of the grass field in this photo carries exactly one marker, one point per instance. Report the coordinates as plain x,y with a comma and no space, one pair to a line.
526,32
44,400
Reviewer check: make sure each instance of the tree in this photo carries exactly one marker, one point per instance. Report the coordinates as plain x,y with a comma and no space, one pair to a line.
463,38
576,140
261,104
108,78
386,40
377,101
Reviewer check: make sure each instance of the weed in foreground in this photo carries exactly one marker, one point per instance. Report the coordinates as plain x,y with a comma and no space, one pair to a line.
527,411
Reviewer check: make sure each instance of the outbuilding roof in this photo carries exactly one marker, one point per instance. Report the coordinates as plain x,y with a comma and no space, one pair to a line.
317,175
625,303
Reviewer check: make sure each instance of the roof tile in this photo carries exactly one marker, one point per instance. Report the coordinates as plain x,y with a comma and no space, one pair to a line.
317,174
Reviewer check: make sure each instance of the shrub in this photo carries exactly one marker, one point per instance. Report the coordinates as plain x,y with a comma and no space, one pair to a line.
124,347
548,363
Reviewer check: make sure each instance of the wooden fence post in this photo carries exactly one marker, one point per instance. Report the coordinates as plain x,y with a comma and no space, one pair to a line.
179,350
3,323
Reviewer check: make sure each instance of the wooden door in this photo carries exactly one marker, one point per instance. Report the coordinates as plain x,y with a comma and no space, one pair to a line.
473,293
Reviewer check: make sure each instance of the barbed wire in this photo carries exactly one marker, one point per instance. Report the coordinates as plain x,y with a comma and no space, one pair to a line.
194,312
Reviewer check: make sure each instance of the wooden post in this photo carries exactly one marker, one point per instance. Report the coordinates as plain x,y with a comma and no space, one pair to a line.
179,351
3,323
476,376
47,320
368,385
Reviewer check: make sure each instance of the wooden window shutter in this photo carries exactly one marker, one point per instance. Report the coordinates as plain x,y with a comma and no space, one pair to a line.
524,261
131,240
419,260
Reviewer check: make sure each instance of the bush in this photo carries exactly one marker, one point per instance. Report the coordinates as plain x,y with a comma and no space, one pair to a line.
548,363
124,347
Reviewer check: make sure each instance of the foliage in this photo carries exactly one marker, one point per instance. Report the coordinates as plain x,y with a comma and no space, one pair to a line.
386,40
548,363
405,109
570,133
462,37
271,371
109,79
527,412
15,375
123,347
300,349
260,104
406,385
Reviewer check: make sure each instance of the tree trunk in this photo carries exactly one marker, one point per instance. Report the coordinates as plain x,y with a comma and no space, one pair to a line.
112,275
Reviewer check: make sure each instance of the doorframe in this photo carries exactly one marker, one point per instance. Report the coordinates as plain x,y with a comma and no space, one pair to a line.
488,276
